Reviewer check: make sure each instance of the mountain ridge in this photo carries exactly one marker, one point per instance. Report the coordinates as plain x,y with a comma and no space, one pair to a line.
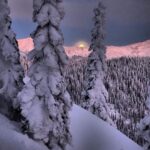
141,49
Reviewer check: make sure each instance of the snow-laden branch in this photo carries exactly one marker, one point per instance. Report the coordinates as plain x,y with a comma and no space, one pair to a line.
11,73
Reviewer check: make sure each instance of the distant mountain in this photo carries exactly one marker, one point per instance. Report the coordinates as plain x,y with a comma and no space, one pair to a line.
138,49
141,49
25,45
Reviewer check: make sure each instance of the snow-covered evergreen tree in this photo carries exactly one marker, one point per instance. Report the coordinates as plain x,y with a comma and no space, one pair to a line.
144,125
45,102
11,73
96,93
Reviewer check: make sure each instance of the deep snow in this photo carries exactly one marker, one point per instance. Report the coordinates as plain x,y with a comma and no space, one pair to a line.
89,133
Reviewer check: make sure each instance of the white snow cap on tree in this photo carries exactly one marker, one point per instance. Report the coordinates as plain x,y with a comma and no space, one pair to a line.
96,93
11,73
144,125
45,102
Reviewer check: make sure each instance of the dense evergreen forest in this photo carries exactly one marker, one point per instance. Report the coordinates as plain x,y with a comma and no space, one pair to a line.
127,81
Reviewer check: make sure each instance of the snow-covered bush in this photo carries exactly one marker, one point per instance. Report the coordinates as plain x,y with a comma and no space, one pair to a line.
24,61
95,94
11,73
144,125
45,102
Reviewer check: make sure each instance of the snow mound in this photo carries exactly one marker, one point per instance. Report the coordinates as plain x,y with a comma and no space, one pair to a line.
88,131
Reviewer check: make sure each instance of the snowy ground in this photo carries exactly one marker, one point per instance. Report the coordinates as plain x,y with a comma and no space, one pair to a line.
12,139
89,133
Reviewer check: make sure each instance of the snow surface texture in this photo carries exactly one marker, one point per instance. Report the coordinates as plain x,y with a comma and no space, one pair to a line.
88,132
12,139
91,133
11,73
95,94
144,125
45,102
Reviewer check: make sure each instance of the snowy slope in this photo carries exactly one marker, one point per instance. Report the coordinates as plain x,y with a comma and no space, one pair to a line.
140,49
89,133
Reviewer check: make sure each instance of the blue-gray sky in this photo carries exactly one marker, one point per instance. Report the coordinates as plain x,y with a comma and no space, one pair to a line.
127,21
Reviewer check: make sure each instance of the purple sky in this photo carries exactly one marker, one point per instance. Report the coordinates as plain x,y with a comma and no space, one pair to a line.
128,21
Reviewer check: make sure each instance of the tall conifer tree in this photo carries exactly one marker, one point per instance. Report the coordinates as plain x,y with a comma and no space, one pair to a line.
96,93
45,100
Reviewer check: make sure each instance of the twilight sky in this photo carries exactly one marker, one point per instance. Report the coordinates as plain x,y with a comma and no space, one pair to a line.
128,21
